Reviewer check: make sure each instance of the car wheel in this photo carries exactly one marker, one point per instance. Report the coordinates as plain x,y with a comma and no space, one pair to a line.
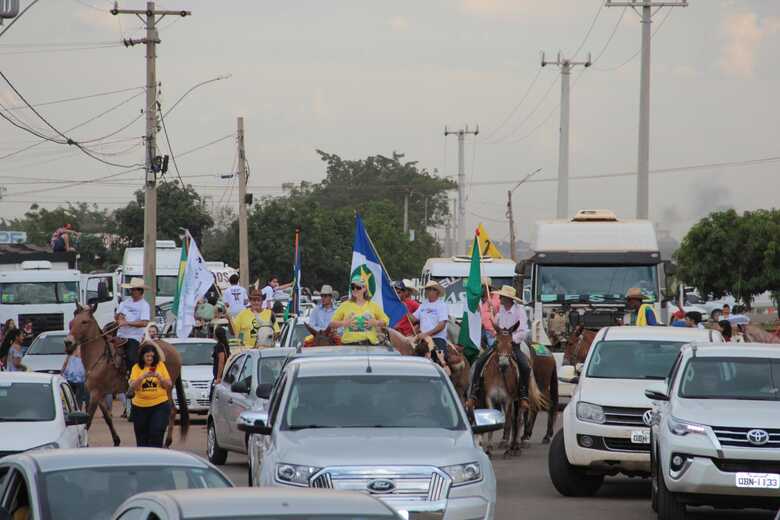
569,480
653,483
669,508
250,462
216,454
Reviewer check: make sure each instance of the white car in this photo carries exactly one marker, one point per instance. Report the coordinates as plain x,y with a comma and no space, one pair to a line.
38,411
716,430
293,333
606,423
196,372
46,352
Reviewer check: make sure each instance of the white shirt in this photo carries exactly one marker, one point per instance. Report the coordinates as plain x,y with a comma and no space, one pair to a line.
268,296
133,311
430,314
235,296
507,318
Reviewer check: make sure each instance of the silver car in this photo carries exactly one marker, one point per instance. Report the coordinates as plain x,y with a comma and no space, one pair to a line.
716,430
46,352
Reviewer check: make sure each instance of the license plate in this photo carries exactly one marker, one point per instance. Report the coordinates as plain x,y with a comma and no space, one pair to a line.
758,480
640,437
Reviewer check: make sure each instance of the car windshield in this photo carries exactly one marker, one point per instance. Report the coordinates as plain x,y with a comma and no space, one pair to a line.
95,493
166,285
195,353
27,293
750,379
594,284
269,368
633,359
48,344
26,402
299,333
371,401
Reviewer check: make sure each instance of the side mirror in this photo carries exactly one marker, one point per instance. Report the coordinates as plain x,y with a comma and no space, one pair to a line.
242,387
487,421
254,422
568,374
76,418
578,368
264,390
654,395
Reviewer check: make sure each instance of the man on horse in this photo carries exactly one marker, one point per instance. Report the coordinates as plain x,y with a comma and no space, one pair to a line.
319,319
433,315
509,314
405,291
250,320
488,307
132,316
639,313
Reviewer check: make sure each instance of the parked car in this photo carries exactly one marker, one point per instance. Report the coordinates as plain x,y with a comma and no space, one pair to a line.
46,352
196,372
38,411
376,424
257,504
716,430
606,425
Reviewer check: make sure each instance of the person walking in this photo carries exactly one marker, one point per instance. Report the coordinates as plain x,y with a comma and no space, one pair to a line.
319,319
639,313
250,320
405,292
359,317
74,373
15,354
150,381
235,297
433,315
133,316
5,344
219,357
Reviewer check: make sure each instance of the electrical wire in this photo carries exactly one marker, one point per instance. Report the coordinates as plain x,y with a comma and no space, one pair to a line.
530,114
18,17
590,30
611,36
517,106
633,56
56,51
71,184
170,148
77,98
212,80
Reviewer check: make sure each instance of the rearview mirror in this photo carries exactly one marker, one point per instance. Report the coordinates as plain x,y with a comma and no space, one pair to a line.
76,418
242,387
654,395
264,390
487,421
254,422
568,374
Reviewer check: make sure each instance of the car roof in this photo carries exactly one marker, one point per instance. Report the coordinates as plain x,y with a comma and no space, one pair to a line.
272,501
174,341
27,377
746,350
346,350
52,333
659,333
275,352
66,459
353,365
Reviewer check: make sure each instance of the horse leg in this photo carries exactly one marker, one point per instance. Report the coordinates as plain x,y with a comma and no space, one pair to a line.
109,421
514,446
530,421
552,410
94,399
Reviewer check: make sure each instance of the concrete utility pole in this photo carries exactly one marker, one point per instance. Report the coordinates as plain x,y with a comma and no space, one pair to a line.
643,154
150,18
243,234
563,146
511,215
460,233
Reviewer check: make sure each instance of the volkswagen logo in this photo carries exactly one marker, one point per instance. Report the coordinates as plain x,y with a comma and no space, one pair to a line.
647,418
381,486
757,437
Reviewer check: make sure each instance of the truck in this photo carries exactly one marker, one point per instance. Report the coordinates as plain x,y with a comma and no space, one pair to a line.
581,269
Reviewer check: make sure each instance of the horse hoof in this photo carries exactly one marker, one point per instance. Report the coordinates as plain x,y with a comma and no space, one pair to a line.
117,441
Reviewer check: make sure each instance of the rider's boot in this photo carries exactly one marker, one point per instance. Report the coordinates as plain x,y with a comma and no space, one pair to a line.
525,374
475,386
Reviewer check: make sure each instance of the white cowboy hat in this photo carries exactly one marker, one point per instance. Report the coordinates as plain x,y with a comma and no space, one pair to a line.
436,287
326,290
538,334
508,292
135,283
635,293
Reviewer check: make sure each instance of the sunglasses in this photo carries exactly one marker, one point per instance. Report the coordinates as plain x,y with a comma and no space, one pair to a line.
254,299
356,287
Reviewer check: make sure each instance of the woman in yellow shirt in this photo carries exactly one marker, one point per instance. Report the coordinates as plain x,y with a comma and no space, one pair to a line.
151,382
360,317
250,320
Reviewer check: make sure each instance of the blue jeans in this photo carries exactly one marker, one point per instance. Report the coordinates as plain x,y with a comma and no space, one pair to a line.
149,423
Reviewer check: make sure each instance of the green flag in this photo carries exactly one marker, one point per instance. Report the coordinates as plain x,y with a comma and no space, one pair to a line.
180,280
470,335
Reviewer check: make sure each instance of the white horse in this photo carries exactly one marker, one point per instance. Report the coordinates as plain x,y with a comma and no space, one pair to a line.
265,336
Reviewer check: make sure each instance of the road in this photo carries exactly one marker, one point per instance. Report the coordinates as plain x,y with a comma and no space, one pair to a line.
524,488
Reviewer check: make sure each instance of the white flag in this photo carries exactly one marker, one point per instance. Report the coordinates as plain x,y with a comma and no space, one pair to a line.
196,283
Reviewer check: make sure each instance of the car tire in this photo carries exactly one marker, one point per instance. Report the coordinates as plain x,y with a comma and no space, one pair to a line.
669,508
216,454
653,483
569,480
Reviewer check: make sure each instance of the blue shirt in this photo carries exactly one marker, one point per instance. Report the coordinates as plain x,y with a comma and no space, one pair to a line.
74,372
320,317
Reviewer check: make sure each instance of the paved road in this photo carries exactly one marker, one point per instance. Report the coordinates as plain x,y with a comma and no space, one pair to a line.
524,488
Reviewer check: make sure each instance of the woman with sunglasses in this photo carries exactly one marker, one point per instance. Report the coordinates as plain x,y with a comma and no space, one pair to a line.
359,317
248,322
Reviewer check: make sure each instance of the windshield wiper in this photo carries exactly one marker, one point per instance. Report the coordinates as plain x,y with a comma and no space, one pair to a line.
306,427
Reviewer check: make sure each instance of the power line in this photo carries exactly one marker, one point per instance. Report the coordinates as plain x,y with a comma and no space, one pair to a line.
212,80
544,97
590,30
515,108
611,36
77,183
633,56
18,17
77,98
168,141
57,51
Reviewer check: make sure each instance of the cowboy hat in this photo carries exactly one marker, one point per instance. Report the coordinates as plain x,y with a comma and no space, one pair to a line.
326,290
135,283
538,334
408,285
508,291
635,293
436,287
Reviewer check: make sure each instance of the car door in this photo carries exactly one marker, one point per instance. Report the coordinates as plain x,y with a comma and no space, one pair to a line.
240,402
266,441
16,497
221,400
70,436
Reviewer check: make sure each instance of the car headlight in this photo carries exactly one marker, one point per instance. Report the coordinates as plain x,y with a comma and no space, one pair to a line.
295,474
464,473
47,446
680,427
590,412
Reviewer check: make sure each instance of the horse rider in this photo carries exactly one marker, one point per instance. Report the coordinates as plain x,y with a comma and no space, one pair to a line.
235,297
488,307
359,316
319,319
509,314
433,316
250,320
405,291
132,316
639,313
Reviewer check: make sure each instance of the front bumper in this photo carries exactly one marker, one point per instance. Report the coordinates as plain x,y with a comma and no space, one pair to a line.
470,508
611,452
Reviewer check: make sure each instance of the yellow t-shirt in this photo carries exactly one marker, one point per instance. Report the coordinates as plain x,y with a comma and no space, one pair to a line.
151,392
248,324
360,332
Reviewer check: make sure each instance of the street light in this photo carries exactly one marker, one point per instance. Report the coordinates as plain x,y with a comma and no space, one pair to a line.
510,214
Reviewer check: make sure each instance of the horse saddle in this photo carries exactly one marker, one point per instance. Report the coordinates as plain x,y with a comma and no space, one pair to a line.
116,350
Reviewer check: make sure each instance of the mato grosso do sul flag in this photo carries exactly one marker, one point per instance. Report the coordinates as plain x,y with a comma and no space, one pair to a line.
367,265
470,335
195,280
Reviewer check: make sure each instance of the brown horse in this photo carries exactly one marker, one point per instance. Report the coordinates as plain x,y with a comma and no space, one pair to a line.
545,372
106,372
458,364
321,338
578,345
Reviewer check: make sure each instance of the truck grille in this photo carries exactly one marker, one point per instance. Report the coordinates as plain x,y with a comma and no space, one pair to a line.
747,466
43,322
737,437
619,444
619,416
201,385
409,482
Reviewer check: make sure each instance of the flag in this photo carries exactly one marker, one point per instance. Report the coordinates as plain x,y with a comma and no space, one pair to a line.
470,335
180,277
195,283
486,246
367,265
294,305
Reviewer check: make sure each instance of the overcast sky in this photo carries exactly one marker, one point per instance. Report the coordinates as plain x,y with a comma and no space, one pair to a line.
358,77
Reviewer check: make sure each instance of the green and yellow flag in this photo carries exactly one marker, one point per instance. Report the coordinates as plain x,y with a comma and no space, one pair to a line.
470,335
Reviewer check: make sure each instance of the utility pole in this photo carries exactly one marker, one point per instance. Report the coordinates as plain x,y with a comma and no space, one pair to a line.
643,153
243,234
460,229
563,146
511,215
150,18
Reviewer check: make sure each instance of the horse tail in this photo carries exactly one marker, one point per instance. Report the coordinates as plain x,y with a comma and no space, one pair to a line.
536,399
184,411
554,396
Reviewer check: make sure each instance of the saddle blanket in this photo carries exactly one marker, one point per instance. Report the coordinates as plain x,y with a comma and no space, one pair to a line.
541,350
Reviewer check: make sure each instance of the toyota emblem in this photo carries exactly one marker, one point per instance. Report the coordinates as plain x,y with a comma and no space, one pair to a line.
647,418
381,486
757,437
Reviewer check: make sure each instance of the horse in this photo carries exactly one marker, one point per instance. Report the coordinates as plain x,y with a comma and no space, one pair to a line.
578,345
265,336
754,333
545,373
106,373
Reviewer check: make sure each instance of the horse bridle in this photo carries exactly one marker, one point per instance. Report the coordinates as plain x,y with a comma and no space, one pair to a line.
106,351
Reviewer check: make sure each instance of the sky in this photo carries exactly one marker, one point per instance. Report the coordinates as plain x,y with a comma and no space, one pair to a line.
362,77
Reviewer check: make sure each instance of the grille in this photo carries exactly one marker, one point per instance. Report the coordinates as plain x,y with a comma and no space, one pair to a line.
618,444
618,416
43,322
416,483
737,437
200,385
749,466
